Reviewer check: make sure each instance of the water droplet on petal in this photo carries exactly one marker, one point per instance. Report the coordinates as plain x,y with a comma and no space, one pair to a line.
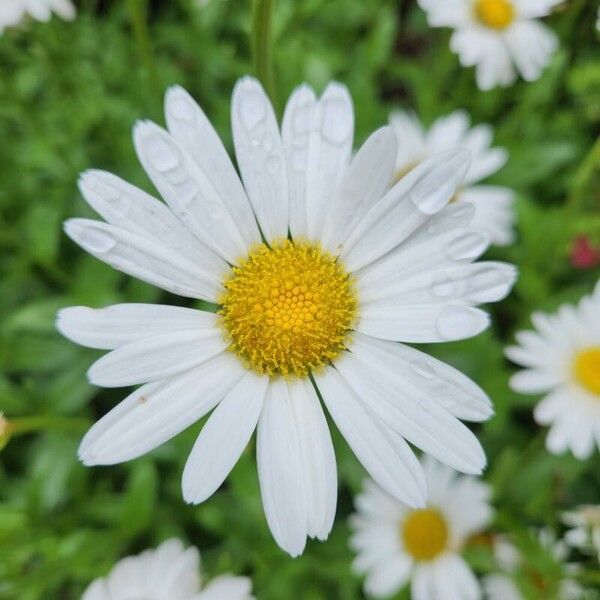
443,286
460,322
252,109
161,155
336,122
181,109
97,240
467,247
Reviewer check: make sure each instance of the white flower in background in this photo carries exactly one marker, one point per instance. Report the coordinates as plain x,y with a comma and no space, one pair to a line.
497,37
493,204
170,572
12,12
365,265
585,529
562,358
396,544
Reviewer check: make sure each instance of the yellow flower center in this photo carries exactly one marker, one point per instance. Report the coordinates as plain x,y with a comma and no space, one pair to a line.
497,14
288,310
425,533
586,368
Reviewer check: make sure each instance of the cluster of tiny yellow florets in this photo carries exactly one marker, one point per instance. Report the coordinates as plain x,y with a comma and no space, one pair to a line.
287,310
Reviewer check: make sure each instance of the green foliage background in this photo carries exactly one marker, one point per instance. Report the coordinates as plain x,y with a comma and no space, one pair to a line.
69,95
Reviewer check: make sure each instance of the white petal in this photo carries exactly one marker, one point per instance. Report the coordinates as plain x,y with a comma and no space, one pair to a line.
411,202
422,323
329,148
279,457
446,385
223,438
127,207
363,185
388,577
260,157
295,133
454,580
469,284
375,376
410,137
180,578
226,587
156,412
194,133
530,381
156,357
148,260
189,192
385,456
535,8
422,585
318,458
97,591
448,13
120,324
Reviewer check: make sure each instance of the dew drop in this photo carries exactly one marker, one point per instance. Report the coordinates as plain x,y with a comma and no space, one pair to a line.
182,110
466,247
460,322
161,155
96,240
443,286
336,122
252,109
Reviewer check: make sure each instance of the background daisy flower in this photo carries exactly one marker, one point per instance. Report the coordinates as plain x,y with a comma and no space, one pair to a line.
12,12
396,544
584,532
562,358
170,572
365,265
494,213
497,37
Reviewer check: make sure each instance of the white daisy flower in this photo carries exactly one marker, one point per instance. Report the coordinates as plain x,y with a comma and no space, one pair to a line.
396,543
170,572
562,358
584,532
497,37
12,12
347,266
493,204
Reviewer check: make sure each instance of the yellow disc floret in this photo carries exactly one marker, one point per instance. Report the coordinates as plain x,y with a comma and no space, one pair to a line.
424,533
586,368
288,309
497,14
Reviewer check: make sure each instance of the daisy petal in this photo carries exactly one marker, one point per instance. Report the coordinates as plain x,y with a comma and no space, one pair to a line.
409,410
318,458
148,260
421,324
388,576
295,132
410,203
279,457
156,357
223,438
385,456
226,587
188,191
364,183
260,157
97,591
531,381
156,412
120,324
194,133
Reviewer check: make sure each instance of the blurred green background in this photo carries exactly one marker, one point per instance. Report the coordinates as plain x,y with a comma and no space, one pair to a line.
69,95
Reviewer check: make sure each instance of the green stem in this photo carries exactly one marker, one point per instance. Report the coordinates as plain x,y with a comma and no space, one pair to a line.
138,13
22,425
262,44
587,169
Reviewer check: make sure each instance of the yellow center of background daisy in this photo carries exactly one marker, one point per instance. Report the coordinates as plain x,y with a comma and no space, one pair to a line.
287,310
587,369
425,533
496,14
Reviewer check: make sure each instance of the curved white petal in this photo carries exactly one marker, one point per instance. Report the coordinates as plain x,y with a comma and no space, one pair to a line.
96,591
189,192
156,412
365,182
121,324
386,456
318,458
226,587
422,323
279,457
223,438
409,410
388,576
260,156
410,203
194,133
531,381
156,357
148,260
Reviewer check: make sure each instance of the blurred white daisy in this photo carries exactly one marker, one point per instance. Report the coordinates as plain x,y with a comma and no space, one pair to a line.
584,532
497,37
493,204
12,12
363,265
562,358
170,572
396,544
